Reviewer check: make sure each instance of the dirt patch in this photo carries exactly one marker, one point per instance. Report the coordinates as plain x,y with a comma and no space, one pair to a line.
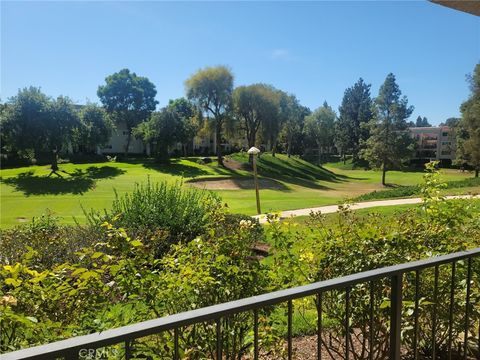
238,184
233,164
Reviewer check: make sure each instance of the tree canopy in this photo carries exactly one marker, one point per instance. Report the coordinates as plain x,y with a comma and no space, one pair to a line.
129,98
319,129
254,106
468,144
34,122
292,116
95,128
390,143
354,111
211,89
422,122
23,121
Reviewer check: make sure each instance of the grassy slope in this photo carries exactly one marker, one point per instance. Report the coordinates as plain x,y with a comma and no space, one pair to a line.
25,192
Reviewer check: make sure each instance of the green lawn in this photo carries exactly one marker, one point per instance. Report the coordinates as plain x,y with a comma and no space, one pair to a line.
27,192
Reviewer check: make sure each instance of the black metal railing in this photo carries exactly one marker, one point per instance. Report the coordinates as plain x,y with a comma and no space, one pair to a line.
72,348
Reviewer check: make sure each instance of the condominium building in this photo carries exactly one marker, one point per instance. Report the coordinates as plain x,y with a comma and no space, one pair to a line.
434,143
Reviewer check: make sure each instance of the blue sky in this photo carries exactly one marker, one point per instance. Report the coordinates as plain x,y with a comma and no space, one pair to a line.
312,49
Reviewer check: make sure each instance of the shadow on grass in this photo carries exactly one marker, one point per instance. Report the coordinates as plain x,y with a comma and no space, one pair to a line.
298,173
175,168
76,182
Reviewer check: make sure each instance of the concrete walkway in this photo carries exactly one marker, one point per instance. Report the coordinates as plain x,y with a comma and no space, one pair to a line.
356,206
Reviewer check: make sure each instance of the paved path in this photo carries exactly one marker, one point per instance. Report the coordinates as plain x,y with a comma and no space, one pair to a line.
355,206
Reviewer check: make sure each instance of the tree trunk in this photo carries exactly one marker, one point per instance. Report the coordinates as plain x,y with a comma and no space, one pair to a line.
127,145
344,158
54,166
476,172
319,156
218,135
355,155
384,172
274,147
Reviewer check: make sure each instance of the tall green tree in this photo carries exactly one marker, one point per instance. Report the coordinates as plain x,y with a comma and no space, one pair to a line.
173,124
422,122
320,129
129,99
254,105
451,122
342,137
354,111
272,125
161,132
292,115
187,120
468,141
59,128
34,122
95,128
390,143
211,89
23,121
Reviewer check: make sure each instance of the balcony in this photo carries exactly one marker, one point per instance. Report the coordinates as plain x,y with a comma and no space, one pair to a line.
401,282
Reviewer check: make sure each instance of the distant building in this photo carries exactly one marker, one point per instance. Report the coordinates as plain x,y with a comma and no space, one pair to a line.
116,144
434,143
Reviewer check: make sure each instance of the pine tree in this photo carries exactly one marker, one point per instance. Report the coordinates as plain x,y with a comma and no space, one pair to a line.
390,143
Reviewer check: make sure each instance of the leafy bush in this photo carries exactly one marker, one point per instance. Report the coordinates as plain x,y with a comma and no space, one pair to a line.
53,243
363,243
70,281
160,212
118,281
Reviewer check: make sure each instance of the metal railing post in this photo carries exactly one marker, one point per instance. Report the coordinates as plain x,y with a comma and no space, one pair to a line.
395,316
72,355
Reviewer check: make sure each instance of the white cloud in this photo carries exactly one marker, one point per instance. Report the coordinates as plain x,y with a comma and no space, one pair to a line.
281,54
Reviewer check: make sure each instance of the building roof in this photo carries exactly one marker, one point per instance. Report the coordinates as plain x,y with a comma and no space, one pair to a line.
468,6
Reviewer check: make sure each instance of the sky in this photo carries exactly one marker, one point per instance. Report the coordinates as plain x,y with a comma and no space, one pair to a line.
314,50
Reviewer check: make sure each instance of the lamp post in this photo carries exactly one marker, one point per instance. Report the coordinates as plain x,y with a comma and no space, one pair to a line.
254,151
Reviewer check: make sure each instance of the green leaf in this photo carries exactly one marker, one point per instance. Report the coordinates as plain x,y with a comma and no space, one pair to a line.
14,282
136,243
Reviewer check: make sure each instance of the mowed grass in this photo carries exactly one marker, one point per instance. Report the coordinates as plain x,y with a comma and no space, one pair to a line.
385,212
27,192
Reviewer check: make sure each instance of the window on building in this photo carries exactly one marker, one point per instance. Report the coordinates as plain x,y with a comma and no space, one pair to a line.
444,134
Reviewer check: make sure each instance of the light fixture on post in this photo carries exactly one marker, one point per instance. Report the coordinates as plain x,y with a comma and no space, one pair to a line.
254,152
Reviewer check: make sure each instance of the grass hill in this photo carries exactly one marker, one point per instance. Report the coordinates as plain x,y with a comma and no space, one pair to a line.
27,192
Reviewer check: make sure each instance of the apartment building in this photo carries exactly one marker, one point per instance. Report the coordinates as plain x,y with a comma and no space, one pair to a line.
434,143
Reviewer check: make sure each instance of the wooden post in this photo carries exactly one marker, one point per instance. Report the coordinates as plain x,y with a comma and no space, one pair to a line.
255,176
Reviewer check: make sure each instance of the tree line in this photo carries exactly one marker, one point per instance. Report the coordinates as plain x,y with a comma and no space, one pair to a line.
373,130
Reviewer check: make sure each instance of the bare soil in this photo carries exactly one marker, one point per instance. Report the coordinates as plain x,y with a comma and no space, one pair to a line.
238,184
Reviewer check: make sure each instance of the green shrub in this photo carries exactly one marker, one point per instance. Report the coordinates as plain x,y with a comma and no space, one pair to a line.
53,243
160,212
319,252
118,281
